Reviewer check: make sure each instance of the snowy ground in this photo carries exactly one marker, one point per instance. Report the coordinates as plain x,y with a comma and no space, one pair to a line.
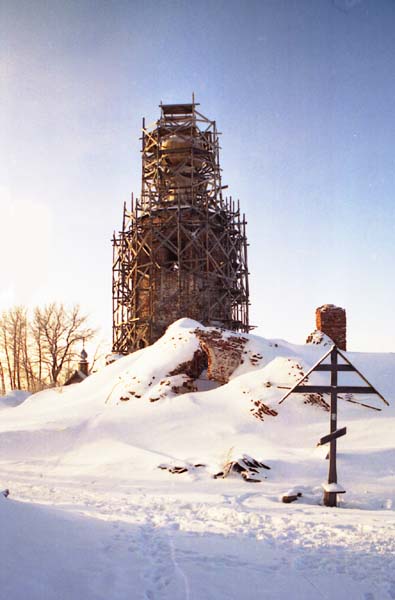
90,516
12,399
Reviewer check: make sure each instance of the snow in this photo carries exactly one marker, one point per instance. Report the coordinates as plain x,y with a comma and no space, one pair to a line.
90,515
334,487
13,398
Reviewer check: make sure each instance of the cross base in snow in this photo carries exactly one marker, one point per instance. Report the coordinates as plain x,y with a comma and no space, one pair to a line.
330,493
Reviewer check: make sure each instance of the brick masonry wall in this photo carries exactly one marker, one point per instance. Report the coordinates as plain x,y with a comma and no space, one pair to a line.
190,289
224,353
331,320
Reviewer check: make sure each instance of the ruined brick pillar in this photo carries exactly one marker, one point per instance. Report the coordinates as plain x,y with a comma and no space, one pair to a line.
331,320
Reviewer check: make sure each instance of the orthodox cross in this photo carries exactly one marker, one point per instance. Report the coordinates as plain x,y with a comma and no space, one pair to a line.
332,488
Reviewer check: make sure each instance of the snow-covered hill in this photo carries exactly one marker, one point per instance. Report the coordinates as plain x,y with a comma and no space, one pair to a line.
105,449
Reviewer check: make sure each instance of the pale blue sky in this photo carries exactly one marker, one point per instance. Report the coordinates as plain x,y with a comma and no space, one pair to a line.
304,93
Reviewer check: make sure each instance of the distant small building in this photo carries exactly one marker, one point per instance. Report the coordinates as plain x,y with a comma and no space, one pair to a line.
83,369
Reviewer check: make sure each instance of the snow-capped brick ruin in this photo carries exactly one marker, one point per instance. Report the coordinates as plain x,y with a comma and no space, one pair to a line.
191,358
224,352
330,322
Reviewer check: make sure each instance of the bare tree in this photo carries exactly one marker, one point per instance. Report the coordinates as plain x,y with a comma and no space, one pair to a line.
100,352
6,348
36,353
3,388
14,347
57,331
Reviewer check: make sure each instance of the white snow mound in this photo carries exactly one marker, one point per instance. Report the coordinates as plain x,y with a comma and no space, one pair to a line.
130,418
126,462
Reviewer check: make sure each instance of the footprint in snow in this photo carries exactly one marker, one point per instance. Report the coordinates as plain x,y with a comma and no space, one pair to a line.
160,567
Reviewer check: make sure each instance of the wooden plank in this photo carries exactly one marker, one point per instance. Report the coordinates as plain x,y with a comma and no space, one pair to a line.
360,403
327,389
338,368
330,500
176,109
332,436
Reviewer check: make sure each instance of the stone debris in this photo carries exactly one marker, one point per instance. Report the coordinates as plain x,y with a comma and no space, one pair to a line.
194,367
188,385
255,359
261,410
312,399
249,469
319,339
178,470
316,400
287,499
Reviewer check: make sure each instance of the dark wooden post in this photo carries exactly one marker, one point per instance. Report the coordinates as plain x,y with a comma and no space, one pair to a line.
330,498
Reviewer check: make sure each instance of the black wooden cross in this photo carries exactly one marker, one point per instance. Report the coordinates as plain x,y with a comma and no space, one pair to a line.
331,489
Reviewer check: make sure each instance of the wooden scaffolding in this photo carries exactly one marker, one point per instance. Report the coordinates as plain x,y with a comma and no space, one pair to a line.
182,249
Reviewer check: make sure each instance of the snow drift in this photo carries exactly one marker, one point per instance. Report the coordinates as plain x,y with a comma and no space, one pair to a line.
138,445
139,413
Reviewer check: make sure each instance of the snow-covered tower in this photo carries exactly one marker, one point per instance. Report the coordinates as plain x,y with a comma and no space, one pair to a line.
182,250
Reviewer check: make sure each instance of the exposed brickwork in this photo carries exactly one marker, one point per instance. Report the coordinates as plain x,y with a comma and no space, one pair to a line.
316,400
319,339
224,353
331,320
193,368
260,410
